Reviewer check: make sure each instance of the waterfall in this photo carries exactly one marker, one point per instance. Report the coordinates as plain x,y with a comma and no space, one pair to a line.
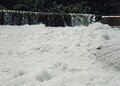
81,19
11,17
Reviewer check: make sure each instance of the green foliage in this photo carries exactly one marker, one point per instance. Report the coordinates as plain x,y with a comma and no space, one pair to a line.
64,6
57,8
39,5
21,7
2,7
70,8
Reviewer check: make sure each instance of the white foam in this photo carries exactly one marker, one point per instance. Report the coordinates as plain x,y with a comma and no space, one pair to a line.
59,56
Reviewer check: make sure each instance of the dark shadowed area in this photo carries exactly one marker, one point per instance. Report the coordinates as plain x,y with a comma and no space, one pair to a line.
64,6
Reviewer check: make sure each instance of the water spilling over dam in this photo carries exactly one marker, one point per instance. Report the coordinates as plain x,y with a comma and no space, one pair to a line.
11,17
8,17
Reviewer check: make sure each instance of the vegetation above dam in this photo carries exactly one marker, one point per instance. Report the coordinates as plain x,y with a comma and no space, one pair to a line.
64,6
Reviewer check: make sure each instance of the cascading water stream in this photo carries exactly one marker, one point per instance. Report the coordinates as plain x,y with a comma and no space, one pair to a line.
81,19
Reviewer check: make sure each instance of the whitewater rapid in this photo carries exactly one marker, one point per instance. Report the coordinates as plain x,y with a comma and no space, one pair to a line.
37,55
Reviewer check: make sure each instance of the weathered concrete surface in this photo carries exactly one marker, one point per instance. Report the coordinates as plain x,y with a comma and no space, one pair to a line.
113,20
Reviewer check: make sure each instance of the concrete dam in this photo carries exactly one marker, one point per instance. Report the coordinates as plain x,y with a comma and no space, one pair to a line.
11,17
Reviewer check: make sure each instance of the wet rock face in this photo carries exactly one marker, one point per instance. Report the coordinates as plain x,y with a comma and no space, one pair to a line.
8,17
98,18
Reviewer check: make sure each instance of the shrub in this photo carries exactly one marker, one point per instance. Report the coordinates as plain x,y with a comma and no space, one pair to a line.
21,7
2,7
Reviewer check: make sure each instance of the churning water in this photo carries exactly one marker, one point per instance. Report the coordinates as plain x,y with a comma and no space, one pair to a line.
37,55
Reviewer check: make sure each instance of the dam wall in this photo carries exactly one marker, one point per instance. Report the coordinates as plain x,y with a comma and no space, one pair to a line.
113,20
11,17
